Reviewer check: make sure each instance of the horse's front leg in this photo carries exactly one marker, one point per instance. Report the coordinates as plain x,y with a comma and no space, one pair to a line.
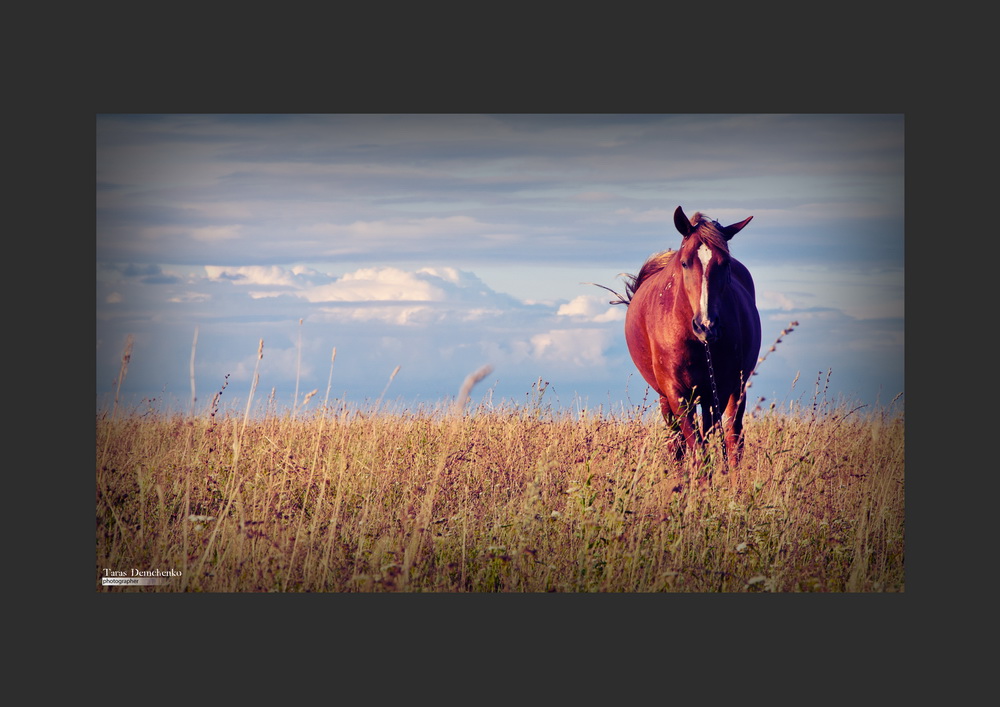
732,423
675,446
679,415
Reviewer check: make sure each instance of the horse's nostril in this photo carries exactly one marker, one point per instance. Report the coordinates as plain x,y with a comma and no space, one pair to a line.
704,330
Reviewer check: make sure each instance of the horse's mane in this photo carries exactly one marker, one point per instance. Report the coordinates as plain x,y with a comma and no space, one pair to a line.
654,264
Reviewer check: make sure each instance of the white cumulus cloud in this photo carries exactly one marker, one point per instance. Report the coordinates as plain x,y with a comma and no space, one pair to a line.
576,347
591,308
375,285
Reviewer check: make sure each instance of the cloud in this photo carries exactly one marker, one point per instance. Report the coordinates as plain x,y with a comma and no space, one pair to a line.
216,233
860,292
591,308
595,196
575,347
273,275
400,228
431,301
148,274
385,294
770,299
377,284
189,298
647,216
395,315
401,233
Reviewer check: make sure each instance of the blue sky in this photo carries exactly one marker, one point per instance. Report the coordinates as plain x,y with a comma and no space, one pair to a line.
441,243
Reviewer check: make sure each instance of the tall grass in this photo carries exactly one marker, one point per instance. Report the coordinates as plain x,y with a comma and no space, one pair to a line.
500,499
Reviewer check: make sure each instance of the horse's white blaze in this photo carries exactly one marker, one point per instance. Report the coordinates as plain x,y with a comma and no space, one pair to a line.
705,256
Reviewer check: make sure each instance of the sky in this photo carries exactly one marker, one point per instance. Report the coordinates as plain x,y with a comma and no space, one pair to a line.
440,244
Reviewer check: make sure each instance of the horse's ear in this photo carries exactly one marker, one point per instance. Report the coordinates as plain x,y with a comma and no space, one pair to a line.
730,231
681,222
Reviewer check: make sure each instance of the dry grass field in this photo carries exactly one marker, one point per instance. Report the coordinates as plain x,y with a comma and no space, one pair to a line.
508,499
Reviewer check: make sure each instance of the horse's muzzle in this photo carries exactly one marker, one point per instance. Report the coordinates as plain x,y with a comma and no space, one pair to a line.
705,331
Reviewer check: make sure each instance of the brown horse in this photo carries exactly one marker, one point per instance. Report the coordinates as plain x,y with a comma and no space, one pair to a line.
693,331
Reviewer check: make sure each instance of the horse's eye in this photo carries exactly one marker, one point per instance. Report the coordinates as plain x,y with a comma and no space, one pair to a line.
684,263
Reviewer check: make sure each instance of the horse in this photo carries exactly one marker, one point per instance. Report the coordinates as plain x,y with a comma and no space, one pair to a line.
693,331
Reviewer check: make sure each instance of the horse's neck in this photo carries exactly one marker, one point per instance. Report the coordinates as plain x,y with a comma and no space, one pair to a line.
742,276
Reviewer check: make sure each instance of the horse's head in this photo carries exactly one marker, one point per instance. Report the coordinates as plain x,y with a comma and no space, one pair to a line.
705,265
